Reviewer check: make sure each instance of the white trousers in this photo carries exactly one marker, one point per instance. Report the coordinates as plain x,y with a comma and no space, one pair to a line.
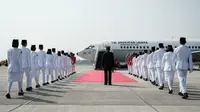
55,73
10,86
182,76
28,77
149,74
144,72
43,74
49,72
161,77
35,75
152,73
136,71
170,78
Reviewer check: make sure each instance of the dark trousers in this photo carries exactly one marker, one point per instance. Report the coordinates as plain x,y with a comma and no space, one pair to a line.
107,77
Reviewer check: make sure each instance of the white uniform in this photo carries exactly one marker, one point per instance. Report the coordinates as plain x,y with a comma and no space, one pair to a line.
26,65
42,63
34,67
49,66
63,66
136,66
59,65
144,65
183,58
14,68
157,60
68,63
151,67
168,66
55,72
148,67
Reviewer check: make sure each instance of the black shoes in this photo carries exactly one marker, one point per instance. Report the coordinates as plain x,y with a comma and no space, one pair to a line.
180,94
162,87
185,96
37,86
8,96
29,89
170,91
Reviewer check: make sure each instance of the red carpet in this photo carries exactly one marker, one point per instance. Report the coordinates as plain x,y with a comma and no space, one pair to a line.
98,76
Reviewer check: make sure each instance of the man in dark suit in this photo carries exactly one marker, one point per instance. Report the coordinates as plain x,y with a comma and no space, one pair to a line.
108,65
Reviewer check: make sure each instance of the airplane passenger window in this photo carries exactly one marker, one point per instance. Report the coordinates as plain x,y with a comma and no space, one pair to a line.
195,47
121,47
189,46
144,47
140,47
124,47
192,47
130,46
199,47
127,47
134,46
147,47
175,46
137,47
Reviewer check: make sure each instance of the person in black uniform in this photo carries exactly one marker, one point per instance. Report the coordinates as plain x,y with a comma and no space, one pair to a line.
108,65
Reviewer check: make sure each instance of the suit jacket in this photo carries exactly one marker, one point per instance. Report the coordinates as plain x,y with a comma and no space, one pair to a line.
108,60
183,58
167,62
157,58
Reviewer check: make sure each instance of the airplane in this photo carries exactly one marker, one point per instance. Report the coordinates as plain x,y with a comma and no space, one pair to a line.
93,53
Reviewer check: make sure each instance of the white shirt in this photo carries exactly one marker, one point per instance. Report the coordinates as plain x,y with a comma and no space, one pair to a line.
54,59
14,60
49,60
157,58
41,59
167,62
183,58
34,60
26,57
144,59
59,62
151,62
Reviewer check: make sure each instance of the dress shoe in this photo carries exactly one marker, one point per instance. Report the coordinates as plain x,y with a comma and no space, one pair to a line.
8,96
44,84
52,81
47,83
180,94
161,88
185,96
37,86
20,94
28,89
170,91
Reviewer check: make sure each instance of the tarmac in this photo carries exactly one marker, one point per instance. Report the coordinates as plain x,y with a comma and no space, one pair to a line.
68,96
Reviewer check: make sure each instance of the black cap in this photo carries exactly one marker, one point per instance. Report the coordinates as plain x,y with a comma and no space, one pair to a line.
24,42
182,40
15,43
54,49
170,48
41,47
33,47
49,51
153,49
161,45
107,47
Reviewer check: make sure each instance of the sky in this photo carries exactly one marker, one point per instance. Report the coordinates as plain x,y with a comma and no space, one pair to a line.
73,25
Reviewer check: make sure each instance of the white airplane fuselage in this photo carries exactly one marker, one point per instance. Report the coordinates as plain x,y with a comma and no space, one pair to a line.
122,48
